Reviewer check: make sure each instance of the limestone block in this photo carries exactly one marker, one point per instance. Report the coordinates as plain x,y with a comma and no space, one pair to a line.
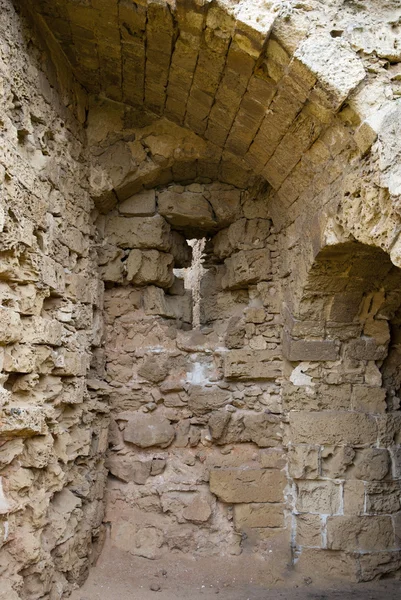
186,209
371,464
27,359
52,274
217,423
247,485
273,458
258,515
318,497
322,397
389,427
309,350
225,204
22,421
111,267
248,365
336,460
139,205
10,326
368,399
150,267
334,64
319,564
366,349
245,268
244,234
261,428
383,497
127,469
146,430
309,530
378,564
138,232
155,302
154,369
332,428
303,461
202,400
360,533
197,511
37,330
354,497
62,517
71,363
37,452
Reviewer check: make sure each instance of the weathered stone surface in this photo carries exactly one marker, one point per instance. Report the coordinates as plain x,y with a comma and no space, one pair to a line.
246,267
154,368
319,497
198,511
302,350
303,461
138,232
127,469
246,364
368,399
150,267
145,431
258,515
333,428
186,209
139,205
203,400
360,533
247,485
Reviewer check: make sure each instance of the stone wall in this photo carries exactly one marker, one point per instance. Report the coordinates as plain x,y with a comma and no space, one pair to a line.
196,411
52,432
271,130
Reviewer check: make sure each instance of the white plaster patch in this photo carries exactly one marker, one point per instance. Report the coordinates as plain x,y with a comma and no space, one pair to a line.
298,377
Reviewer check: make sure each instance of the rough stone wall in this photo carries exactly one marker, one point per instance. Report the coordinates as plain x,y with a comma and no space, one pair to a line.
52,433
178,395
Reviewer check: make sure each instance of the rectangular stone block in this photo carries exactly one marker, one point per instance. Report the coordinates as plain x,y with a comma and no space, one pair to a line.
366,349
383,497
318,497
364,533
10,326
368,399
309,530
258,515
22,421
247,485
354,497
303,461
331,428
309,350
257,364
138,232
139,205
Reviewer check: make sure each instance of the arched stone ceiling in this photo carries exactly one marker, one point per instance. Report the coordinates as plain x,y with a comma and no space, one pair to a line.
265,87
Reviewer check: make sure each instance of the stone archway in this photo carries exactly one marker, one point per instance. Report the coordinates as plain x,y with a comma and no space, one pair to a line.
343,412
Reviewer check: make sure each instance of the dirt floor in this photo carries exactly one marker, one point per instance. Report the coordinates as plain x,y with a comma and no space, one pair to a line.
121,576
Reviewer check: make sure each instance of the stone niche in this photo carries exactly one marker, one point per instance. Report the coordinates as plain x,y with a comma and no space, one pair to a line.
200,293
196,409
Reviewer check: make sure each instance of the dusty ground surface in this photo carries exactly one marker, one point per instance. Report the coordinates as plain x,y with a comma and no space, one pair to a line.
120,576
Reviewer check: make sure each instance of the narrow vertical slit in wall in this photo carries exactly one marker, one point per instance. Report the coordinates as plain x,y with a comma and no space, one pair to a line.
193,276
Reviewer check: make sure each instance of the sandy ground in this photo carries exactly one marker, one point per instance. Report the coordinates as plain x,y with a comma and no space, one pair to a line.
121,576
